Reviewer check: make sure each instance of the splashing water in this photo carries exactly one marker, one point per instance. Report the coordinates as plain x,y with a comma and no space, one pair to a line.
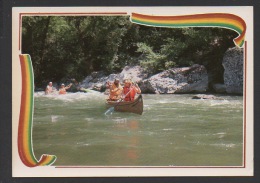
173,130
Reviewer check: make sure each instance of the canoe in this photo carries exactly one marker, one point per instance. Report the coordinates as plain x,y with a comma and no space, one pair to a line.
134,107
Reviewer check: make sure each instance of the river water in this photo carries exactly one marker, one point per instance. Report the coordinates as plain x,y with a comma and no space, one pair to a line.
174,130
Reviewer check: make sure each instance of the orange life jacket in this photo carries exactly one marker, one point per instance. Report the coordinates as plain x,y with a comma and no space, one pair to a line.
115,92
129,96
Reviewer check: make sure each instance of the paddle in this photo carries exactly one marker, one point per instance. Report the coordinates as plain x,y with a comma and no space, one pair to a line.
111,109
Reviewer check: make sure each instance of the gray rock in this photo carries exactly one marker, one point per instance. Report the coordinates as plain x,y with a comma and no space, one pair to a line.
97,80
211,97
233,74
98,87
177,80
135,73
219,88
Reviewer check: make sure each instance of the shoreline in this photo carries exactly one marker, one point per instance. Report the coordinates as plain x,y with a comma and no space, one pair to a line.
201,93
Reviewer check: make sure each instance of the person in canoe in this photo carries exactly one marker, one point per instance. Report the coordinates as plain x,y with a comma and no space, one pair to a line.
115,90
49,88
130,90
63,89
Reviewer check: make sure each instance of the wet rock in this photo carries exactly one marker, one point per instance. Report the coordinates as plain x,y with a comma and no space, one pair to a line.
177,80
233,74
210,97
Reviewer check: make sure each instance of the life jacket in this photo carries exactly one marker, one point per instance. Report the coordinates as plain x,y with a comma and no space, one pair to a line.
115,92
130,96
125,91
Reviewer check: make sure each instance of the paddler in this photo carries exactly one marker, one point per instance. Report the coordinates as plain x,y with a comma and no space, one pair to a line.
49,88
115,90
130,90
63,89
76,87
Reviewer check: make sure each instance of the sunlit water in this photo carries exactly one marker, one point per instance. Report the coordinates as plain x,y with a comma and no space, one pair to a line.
174,130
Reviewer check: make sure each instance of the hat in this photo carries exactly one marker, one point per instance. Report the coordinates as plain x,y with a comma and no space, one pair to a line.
62,84
127,81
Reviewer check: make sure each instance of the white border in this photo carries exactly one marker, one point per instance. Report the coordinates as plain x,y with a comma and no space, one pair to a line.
20,170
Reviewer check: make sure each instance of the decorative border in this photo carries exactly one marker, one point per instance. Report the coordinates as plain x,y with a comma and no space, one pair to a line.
223,20
25,147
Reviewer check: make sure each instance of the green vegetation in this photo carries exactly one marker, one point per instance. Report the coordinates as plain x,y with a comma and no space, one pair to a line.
74,46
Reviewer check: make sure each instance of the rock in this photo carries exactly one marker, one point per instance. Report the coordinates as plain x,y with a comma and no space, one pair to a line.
233,70
219,88
177,80
112,77
201,96
135,73
98,87
97,80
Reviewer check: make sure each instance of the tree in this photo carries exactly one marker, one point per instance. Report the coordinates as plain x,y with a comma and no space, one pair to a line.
64,47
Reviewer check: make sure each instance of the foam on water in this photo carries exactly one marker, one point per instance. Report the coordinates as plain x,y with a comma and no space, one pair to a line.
218,102
173,124
70,97
55,118
187,100
120,120
224,145
89,119
167,129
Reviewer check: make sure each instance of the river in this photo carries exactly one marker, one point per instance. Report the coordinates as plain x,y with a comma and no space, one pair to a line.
174,130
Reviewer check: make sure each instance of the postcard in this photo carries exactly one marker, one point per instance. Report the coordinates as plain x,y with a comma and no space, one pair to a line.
132,91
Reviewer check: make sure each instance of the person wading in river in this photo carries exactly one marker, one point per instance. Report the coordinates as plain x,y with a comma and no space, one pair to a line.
63,89
115,90
130,90
49,88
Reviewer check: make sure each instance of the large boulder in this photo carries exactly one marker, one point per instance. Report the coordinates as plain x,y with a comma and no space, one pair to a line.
192,79
233,70
97,80
135,73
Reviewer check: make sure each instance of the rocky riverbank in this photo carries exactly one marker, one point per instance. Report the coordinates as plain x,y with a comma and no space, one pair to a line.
178,80
193,79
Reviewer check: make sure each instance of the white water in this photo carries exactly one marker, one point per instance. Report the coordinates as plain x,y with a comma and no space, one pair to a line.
173,130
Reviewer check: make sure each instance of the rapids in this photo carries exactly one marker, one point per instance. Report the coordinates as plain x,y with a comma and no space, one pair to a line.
174,130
